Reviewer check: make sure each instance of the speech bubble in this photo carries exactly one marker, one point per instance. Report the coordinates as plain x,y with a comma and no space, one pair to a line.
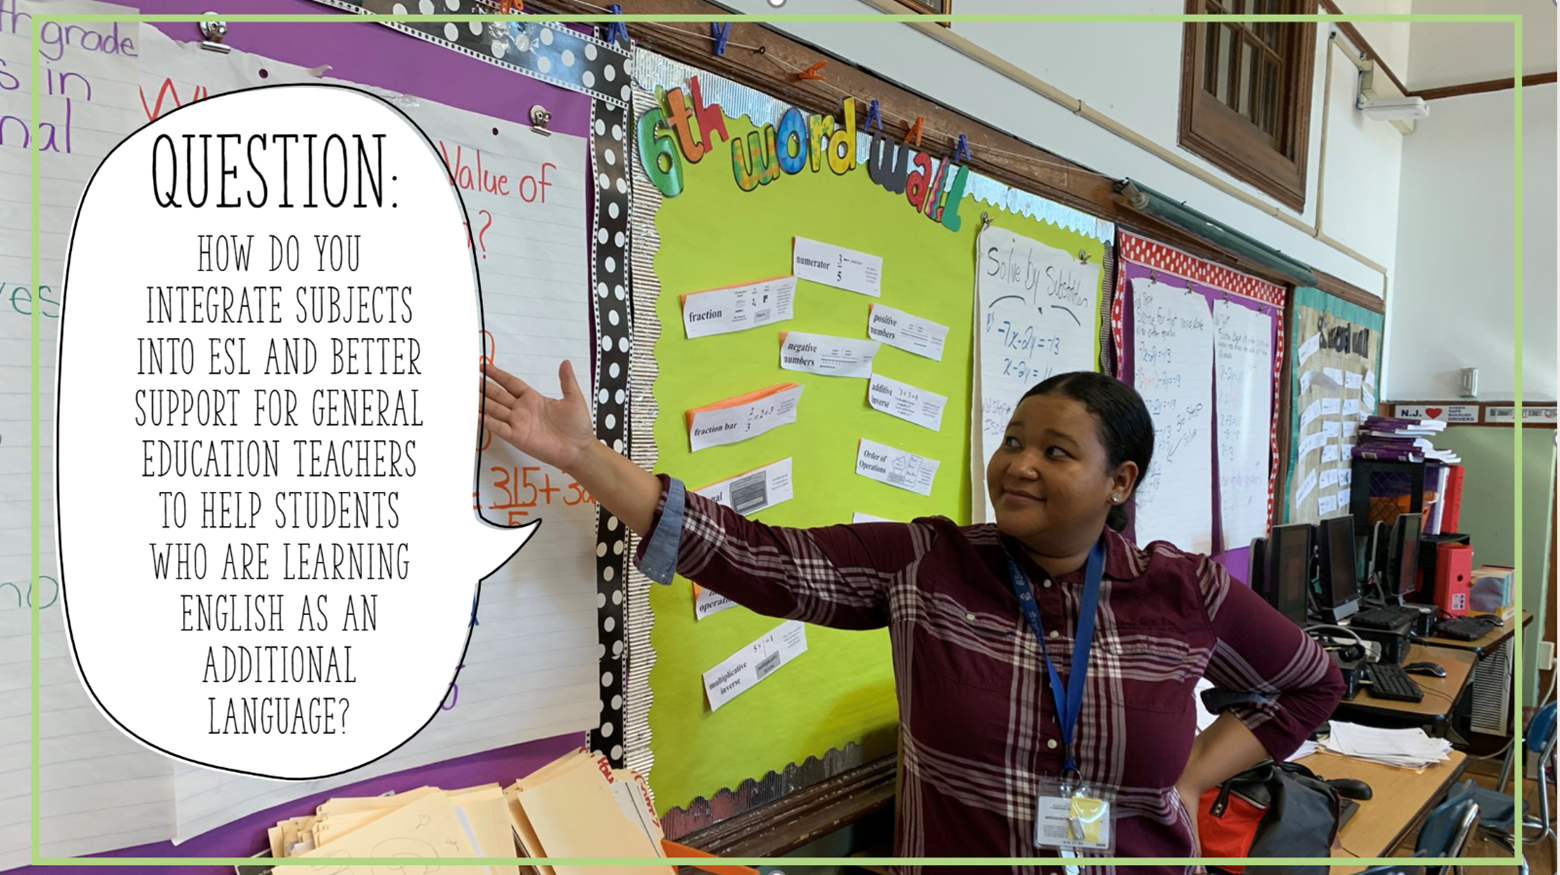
268,385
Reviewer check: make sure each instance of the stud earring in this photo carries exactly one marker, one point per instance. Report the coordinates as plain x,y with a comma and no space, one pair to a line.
1115,498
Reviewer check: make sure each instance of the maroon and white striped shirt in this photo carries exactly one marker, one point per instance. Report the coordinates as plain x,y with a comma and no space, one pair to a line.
978,727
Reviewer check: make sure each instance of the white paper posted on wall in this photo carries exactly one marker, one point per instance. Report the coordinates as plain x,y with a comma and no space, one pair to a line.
837,266
738,308
753,491
742,670
1243,346
904,331
896,467
827,355
1172,368
920,406
1035,313
717,426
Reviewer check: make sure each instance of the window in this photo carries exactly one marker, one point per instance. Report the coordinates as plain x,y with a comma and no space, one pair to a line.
1246,93
930,7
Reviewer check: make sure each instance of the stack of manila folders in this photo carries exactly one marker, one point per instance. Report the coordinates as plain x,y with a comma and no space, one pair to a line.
576,806
1405,748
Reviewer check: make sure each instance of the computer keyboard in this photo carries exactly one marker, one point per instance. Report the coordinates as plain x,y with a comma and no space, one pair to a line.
1391,682
1385,618
1462,628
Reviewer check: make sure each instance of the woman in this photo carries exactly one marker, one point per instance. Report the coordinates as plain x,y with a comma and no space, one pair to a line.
983,717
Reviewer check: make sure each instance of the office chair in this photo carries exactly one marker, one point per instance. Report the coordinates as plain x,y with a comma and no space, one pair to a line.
1497,815
1443,834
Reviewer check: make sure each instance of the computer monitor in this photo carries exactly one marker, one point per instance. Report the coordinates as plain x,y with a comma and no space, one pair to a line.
1289,570
1404,561
1340,587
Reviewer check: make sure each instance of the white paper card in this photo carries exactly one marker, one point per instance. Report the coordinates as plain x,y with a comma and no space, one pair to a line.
859,517
1243,387
729,425
1172,368
837,266
1367,398
920,406
896,467
1310,347
740,671
1353,381
1332,429
1326,504
708,602
1330,453
1335,375
1035,316
1351,407
827,355
735,308
1331,405
1350,429
1329,478
1311,443
1305,488
1312,411
904,331
1346,477
754,490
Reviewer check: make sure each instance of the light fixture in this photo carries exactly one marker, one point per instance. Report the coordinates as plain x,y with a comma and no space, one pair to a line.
1149,202
1387,109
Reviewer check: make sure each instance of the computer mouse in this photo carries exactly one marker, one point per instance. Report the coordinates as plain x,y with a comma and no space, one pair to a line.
1351,788
1426,668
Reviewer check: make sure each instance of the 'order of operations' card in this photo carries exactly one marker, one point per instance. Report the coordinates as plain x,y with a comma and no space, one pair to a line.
837,266
909,333
739,672
826,355
896,467
736,308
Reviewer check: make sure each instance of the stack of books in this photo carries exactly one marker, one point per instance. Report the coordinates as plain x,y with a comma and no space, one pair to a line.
1384,439
1401,440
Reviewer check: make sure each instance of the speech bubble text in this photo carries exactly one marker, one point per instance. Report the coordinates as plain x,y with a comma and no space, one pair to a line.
265,434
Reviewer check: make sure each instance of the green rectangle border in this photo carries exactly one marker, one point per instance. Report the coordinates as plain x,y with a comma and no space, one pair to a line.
1515,20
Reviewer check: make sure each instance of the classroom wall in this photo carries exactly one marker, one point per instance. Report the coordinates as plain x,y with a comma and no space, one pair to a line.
1454,53
1454,267
1131,72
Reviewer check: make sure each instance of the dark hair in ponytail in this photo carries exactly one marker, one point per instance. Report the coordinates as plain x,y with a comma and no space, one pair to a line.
1126,429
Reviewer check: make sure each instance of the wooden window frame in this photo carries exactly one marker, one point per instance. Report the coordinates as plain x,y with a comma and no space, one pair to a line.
914,6
1229,140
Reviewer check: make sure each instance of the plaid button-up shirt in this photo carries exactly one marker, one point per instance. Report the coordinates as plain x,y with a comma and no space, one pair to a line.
978,726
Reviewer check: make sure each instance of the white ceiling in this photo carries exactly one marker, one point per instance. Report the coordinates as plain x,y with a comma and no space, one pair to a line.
1441,54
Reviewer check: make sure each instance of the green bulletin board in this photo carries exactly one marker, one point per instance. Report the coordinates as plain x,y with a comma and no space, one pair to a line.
712,234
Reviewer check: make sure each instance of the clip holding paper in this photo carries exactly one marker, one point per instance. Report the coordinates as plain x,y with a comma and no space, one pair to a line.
1189,289
874,116
914,134
1083,257
720,33
617,28
812,72
539,119
985,220
1153,276
212,33
961,152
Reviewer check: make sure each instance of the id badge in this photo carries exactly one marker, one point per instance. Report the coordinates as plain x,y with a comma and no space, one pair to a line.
1073,818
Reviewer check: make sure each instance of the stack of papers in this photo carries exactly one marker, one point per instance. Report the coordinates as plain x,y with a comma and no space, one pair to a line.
1305,749
1406,748
575,806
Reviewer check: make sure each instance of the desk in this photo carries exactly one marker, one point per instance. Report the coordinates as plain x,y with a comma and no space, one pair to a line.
1440,693
1480,646
1400,800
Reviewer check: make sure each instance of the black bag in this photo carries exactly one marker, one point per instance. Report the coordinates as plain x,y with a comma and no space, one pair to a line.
1271,810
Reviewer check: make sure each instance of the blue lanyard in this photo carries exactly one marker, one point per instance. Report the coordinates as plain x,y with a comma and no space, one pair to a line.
1069,700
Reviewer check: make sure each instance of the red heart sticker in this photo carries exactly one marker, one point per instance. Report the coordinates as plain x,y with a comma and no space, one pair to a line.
1434,412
